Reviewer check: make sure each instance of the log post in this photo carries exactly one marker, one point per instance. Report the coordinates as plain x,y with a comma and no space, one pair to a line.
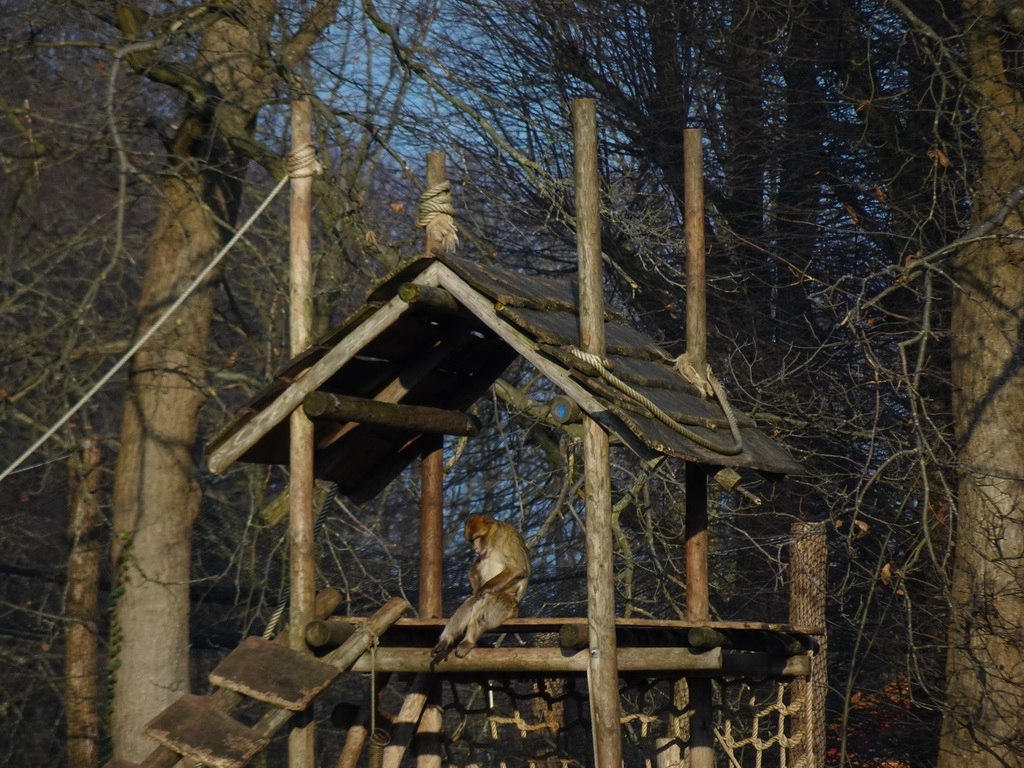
702,752
696,291
81,649
602,673
431,535
300,497
808,574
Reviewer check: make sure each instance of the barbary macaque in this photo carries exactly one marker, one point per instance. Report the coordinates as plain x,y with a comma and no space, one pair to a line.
498,580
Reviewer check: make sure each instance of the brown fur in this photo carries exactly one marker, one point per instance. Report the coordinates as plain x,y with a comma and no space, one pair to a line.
498,579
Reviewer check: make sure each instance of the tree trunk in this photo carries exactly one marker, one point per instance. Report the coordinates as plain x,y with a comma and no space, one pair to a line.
984,722
156,495
81,650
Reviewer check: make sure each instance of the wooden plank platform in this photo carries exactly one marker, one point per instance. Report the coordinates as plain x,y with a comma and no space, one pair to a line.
554,624
273,673
195,727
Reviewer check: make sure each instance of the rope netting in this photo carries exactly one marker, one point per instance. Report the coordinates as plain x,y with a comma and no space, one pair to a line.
546,722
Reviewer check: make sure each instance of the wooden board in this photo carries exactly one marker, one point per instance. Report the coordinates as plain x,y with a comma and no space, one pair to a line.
194,727
273,673
713,662
548,624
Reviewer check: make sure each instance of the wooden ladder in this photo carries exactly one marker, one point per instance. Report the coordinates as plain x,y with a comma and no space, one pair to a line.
202,728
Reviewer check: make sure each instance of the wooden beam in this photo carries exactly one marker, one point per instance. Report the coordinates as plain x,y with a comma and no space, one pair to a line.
435,298
302,557
702,738
696,291
602,675
483,309
539,660
312,379
415,418
713,662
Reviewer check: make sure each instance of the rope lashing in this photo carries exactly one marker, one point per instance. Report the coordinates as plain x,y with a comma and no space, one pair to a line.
302,162
725,450
286,593
436,216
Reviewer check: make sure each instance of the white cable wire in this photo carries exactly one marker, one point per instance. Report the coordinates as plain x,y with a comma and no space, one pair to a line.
149,333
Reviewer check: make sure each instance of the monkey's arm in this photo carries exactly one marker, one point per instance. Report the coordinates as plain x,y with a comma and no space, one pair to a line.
505,580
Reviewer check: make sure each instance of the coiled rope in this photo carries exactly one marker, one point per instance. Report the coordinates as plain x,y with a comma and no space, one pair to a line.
300,164
725,450
436,216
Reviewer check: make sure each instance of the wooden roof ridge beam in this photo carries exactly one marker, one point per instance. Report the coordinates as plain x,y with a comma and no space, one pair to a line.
415,418
227,452
483,309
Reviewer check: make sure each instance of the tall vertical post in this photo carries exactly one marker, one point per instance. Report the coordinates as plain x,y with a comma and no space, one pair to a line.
431,469
702,753
808,579
431,533
602,672
300,491
693,214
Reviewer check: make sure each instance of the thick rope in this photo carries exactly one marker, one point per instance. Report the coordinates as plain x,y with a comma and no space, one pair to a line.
726,450
286,592
436,216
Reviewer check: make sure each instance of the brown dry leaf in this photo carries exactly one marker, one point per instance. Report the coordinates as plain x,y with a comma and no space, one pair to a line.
853,214
886,575
939,156
397,207
863,105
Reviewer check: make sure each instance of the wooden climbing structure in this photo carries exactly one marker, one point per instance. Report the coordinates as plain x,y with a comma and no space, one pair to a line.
382,389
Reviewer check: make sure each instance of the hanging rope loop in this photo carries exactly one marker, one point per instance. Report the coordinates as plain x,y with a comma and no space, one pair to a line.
603,366
437,217
302,162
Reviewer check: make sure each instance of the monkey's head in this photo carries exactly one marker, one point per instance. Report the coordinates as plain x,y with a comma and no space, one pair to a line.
477,529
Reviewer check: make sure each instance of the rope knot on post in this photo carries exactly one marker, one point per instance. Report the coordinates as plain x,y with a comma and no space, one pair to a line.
302,162
436,216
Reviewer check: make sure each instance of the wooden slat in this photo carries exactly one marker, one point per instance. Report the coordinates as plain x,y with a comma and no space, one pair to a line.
195,727
227,452
273,673
548,624
713,662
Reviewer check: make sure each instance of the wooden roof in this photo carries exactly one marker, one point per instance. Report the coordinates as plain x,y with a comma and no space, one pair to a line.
415,354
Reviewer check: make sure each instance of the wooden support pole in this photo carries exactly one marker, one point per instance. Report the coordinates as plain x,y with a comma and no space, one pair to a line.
808,580
415,418
702,752
404,727
696,290
367,718
301,481
431,531
602,676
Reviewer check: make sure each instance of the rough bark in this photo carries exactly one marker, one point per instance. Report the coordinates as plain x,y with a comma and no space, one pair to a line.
984,723
156,496
81,651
